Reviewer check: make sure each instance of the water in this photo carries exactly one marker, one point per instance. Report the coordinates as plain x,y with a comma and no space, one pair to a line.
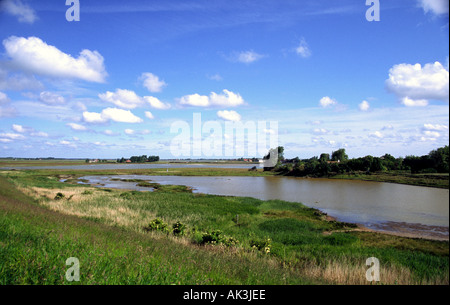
381,206
136,166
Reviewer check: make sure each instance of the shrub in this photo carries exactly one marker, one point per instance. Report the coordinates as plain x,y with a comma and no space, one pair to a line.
262,245
59,196
216,237
178,229
157,224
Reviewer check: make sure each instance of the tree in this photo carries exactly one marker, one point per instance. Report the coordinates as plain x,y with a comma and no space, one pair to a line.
324,157
339,155
440,159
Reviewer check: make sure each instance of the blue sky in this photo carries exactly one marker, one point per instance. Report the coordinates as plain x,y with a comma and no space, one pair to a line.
113,83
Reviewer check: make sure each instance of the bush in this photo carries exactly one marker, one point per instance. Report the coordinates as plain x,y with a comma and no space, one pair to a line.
178,229
157,224
216,237
59,196
262,245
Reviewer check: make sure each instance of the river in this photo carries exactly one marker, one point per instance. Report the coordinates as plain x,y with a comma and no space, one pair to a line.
410,210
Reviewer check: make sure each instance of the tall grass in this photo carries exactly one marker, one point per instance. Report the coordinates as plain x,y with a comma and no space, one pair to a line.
300,251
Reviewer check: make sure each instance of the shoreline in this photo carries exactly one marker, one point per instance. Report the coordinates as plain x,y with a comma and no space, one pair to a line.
400,230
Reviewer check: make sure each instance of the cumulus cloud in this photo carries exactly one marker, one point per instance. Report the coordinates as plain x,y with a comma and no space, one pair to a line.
23,12
303,49
364,106
229,115
327,101
111,114
415,84
129,99
35,56
437,7
226,99
122,98
152,82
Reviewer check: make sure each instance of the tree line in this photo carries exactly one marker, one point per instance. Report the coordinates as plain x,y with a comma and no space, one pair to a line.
139,159
437,161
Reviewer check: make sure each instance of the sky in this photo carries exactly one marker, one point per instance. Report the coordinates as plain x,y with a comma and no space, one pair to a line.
112,79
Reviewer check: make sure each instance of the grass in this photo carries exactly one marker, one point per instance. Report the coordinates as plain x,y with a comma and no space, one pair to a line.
429,180
301,248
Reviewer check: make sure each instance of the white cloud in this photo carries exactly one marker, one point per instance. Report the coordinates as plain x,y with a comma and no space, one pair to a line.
226,99
129,131
364,106
195,100
22,11
376,134
156,103
414,103
93,117
327,101
18,128
111,114
245,57
415,85
50,98
303,49
432,134
320,131
129,99
436,127
149,115
109,132
437,7
12,136
35,56
152,82
77,127
28,130
122,98
229,115
119,115
39,134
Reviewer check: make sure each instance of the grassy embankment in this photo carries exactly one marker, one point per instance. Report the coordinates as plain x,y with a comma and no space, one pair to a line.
430,180
278,242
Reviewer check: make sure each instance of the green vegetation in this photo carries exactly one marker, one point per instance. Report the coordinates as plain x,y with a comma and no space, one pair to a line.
428,170
177,237
139,159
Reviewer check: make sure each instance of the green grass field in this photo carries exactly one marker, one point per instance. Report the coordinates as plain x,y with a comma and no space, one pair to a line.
226,240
